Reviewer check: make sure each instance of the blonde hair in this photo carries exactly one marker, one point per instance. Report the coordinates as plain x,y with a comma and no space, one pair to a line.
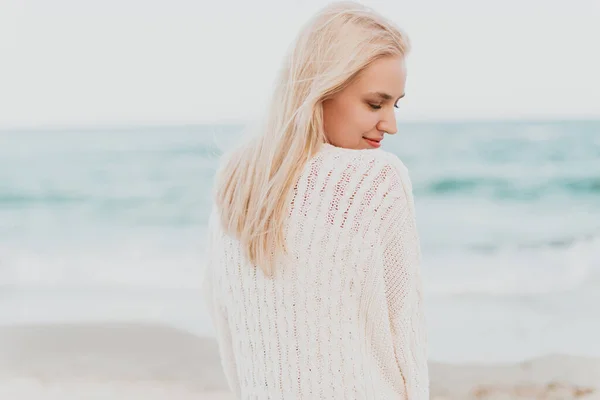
255,182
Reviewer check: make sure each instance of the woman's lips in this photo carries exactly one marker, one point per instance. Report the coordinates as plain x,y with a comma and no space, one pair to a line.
374,143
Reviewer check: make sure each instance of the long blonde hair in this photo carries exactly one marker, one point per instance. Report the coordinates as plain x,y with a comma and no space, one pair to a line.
254,184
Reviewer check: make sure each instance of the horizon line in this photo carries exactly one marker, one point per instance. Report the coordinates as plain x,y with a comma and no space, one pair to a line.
234,122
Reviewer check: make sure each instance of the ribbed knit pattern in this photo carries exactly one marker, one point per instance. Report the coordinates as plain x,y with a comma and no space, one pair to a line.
343,317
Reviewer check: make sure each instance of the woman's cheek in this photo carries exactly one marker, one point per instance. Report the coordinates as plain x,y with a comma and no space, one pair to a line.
370,121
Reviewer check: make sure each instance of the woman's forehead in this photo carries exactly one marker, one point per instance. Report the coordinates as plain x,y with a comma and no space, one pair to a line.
386,75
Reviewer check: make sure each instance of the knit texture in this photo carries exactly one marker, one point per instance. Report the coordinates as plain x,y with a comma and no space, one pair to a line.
343,317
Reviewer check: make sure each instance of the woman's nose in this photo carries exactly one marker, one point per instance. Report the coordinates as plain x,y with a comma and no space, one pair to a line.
388,124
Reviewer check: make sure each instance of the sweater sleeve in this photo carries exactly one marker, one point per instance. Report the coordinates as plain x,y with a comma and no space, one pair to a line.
218,314
403,284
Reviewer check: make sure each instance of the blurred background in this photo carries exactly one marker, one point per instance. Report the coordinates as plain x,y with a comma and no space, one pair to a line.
113,115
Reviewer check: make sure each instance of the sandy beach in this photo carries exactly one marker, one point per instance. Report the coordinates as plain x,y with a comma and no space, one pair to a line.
129,361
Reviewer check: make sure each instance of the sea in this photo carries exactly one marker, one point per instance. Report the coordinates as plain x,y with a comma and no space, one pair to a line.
108,224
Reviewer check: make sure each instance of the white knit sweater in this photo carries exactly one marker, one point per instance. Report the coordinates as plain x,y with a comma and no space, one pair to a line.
343,317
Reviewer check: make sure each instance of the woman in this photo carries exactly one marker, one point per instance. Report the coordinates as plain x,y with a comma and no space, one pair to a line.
313,279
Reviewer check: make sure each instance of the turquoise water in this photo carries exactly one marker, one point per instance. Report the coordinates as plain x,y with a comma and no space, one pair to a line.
109,224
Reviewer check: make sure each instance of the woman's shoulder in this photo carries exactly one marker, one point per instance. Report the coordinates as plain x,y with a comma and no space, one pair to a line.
368,161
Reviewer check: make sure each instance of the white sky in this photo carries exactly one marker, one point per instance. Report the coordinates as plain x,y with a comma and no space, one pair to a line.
74,62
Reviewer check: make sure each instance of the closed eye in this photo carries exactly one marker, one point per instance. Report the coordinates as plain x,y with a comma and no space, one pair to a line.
384,97
376,107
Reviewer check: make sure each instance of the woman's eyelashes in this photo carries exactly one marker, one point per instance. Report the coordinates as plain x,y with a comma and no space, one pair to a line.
378,106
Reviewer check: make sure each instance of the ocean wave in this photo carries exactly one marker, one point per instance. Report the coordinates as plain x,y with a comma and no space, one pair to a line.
560,242
158,264
116,202
169,259
517,271
25,199
504,188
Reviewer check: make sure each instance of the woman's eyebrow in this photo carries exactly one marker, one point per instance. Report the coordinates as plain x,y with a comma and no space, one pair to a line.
386,96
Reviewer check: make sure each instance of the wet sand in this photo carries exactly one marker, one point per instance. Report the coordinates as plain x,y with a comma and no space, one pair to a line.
127,361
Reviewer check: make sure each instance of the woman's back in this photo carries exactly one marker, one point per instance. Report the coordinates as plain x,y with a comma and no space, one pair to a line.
342,317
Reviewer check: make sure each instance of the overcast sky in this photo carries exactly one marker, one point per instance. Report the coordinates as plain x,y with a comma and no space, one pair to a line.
91,62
